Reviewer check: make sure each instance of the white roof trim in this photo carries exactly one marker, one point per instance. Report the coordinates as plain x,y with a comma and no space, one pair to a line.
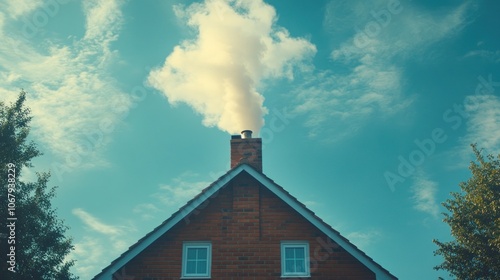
335,236
108,272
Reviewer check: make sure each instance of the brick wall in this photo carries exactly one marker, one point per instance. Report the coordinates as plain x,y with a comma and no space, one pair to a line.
245,223
248,150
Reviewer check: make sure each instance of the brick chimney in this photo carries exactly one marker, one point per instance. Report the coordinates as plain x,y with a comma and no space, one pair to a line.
245,149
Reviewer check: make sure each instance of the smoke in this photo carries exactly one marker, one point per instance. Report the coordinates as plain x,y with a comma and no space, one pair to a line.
219,73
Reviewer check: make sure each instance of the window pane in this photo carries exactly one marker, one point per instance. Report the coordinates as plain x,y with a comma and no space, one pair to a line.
289,253
289,266
190,267
201,267
299,266
299,253
202,253
191,253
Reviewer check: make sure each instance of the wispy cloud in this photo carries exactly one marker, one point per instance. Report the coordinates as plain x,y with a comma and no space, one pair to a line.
490,56
103,20
147,211
370,77
181,189
481,117
89,252
483,122
424,195
171,195
94,224
329,100
72,95
16,8
364,239
100,243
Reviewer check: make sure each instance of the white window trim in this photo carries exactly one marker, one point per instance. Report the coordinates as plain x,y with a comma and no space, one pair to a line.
200,244
305,245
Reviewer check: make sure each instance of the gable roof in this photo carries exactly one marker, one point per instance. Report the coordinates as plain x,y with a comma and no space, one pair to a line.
183,213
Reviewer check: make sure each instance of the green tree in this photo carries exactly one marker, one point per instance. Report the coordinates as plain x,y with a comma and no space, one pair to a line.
474,218
37,236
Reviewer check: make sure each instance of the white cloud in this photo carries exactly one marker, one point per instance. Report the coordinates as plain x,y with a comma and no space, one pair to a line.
94,224
483,122
491,56
406,31
75,102
219,73
369,80
28,175
100,243
16,8
424,195
181,189
330,100
103,18
147,211
2,22
364,239
89,253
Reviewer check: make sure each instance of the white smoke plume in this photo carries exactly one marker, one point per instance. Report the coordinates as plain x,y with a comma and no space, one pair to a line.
238,45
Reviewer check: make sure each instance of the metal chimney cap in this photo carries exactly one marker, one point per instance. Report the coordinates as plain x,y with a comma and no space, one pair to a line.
246,134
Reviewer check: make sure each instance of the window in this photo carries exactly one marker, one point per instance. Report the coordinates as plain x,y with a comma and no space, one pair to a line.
196,259
294,259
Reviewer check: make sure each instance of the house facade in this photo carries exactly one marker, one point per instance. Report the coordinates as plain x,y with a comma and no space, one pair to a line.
244,226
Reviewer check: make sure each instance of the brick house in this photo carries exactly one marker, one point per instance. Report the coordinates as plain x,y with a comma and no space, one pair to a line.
244,226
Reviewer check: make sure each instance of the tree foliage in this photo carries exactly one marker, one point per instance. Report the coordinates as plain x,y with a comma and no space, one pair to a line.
40,244
474,218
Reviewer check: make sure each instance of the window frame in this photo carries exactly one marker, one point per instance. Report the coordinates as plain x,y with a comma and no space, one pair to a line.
198,244
295,244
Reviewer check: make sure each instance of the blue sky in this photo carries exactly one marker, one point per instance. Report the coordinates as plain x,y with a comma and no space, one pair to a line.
366,110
